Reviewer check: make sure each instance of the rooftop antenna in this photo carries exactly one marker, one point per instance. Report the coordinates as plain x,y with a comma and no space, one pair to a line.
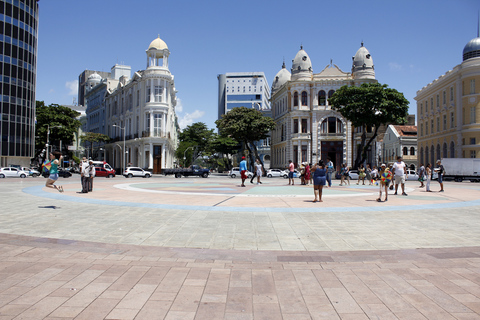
331,62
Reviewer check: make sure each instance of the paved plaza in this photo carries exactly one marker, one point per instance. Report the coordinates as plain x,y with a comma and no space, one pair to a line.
193,248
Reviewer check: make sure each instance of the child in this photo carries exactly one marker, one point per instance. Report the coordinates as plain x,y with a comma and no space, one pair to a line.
385,178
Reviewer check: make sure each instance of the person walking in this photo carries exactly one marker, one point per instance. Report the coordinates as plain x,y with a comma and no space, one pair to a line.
428,171
243,171
307,173
440,171
361,174
345,174
83,166
421,175
368,174
319,180
330,171
384,182
86,177
291,169
258,171
399,170
92,171
52,166
374,175
255,171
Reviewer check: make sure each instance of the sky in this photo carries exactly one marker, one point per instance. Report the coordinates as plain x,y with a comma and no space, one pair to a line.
412,42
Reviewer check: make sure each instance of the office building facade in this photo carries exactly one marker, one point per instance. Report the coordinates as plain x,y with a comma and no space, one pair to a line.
18,63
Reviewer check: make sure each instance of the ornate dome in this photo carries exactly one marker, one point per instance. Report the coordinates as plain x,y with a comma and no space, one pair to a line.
302,66
363,67
282,76
94,77
157,44
472,49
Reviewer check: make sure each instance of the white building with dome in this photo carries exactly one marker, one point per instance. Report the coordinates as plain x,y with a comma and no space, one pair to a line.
141,108
448,111
307,129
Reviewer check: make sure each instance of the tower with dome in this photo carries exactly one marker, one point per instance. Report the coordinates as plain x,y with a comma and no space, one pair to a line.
140,109
307,128
448,110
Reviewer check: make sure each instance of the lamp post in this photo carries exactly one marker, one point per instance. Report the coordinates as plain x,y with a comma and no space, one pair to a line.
123,158
185,156
48,137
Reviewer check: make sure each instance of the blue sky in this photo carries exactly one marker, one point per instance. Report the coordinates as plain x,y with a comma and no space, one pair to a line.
412,42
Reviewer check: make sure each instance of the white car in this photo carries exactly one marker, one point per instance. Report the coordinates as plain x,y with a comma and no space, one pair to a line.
412,175
11,172
353,174
274,173
296,173
235,172
31,172
131,172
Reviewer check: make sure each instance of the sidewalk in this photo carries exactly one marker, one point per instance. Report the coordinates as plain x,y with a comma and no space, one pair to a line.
110,255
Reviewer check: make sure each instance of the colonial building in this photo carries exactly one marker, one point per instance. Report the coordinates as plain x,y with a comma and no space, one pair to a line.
18,67
400,140
448,111
307,129
140,114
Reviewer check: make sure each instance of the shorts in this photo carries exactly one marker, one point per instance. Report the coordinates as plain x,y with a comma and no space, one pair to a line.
440,178
399,179
243,174
290,175
53,176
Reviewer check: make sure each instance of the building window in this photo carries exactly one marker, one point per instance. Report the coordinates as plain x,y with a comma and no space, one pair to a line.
331,125
431,104
426,128
412,151
444,97
295,99
438,124
452,120
330,93
421,108
421,130
438,101
444,122
444,152
157,125
158,93
405,151
473,116
149,91
452,150
473,154
451,94
321,98
472,86
304,126
304,154
147,122
473,141
304,98
431,128
295,125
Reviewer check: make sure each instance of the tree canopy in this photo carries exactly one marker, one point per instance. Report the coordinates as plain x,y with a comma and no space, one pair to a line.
61,121
194,141
246,125
94,137
371,104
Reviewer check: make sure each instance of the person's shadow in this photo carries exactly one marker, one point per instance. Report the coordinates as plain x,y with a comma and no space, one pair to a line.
49,207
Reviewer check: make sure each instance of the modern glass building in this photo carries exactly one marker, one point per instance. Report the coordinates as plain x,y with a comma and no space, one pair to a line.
18,60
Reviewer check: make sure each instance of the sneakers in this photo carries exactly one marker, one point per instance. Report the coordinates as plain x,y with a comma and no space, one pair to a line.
404,194
395,194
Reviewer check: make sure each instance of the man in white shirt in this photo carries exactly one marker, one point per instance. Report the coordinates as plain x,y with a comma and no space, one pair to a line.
83,167
399,172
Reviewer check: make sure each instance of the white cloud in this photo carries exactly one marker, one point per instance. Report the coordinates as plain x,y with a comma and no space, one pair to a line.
189,118
395,66
179,106
72,86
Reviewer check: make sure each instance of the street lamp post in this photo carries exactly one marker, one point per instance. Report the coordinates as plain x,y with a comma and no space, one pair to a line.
48,137
185,156
123,158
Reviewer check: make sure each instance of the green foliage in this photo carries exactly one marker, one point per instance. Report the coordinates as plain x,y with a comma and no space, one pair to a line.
194,141
55,115
371,104
92,138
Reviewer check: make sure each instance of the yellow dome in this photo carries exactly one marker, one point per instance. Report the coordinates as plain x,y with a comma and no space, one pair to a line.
158,44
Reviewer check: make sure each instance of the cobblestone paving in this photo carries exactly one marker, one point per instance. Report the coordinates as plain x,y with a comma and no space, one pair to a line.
207,249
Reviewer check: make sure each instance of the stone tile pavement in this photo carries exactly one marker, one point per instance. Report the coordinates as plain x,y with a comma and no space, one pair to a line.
123,254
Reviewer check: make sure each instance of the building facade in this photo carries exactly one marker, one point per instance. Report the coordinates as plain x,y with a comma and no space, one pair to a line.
83,86
18,65
400,140
246,89
448,111
140,113
307,128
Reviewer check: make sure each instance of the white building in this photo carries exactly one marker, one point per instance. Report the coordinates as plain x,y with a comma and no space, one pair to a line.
400,140
307,129
141,112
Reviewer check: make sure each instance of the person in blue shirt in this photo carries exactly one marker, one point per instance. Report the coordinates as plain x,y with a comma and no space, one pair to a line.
243,171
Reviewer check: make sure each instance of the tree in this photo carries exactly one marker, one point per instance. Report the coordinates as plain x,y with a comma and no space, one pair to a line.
224,145
371,104
54,115
194,140
94,137
246,125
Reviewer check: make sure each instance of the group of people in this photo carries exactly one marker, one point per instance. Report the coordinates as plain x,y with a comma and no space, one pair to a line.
425,173
87,173
257,174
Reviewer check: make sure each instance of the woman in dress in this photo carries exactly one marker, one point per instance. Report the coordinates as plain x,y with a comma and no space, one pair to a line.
384,182
319,179
344,174
361,174
428,171
259,170
307,173
53,164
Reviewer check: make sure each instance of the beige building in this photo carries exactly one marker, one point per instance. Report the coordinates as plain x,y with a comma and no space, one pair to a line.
448,111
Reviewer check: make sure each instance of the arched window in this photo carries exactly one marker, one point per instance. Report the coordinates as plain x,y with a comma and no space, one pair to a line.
438,152
426,156
432,155
444,153
295,99
405,151
321,98
331,125
304,98
452,150
412,151
421,155
330,93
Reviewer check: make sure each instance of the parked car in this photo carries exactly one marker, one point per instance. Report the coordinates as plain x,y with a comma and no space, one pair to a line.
64,173
412,175
31,172
131,172
296,173
353,174
193,170
235,172
104,172
274,173
12,172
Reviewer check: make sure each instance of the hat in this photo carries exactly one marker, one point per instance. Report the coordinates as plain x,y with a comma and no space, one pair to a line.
438,161
243,157
383,165
90,161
